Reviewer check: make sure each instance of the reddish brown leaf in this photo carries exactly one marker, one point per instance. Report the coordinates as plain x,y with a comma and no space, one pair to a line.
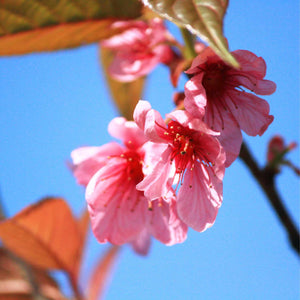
30,26
101,273
125,94
16,297
45,235
56,37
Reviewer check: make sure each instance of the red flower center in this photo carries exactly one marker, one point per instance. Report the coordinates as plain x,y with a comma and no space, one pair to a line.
214,79
181,139
134,166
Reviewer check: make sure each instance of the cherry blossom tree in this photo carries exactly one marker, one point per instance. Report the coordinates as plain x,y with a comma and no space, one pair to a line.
166,174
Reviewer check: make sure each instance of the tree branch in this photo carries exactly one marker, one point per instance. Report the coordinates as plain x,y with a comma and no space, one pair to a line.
266,179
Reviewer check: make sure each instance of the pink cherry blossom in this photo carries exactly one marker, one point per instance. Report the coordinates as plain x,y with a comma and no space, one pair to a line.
276,154
162,223
192,158
119,212
216,91
277,147
138,49
88,160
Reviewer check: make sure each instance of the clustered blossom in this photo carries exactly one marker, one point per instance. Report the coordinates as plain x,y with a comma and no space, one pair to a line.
168,175
138,49
119,212
193,156
215,93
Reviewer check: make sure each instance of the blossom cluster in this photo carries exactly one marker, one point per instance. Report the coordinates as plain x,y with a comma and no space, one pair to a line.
168,174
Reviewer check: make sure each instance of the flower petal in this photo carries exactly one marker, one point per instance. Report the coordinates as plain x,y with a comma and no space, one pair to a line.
140,112
180,116
252,72
178,229
195,96
250,111
142,243
164,223
152,152
88,160
257,86
230,132
150,121
231,140
133,31
131,68
188,120
250,63
265,87
198,205
127,131
154,126
201,59
117,209
138,49
154,184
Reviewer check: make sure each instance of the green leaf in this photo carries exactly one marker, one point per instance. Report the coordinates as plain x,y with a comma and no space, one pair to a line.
202,17
125,94
46,25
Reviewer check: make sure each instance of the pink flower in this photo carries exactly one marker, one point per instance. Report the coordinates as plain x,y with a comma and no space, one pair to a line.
119,212
277,148
138,49
88,160
192,158
215,92
162,223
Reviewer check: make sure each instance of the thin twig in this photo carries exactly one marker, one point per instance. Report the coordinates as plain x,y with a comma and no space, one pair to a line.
2,210
266,179
74,285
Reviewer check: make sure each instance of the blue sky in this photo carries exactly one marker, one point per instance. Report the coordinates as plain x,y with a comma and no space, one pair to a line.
55,102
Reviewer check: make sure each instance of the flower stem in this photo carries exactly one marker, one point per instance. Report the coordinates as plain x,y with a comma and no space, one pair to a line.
75,288
2,210
266,179
189,41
